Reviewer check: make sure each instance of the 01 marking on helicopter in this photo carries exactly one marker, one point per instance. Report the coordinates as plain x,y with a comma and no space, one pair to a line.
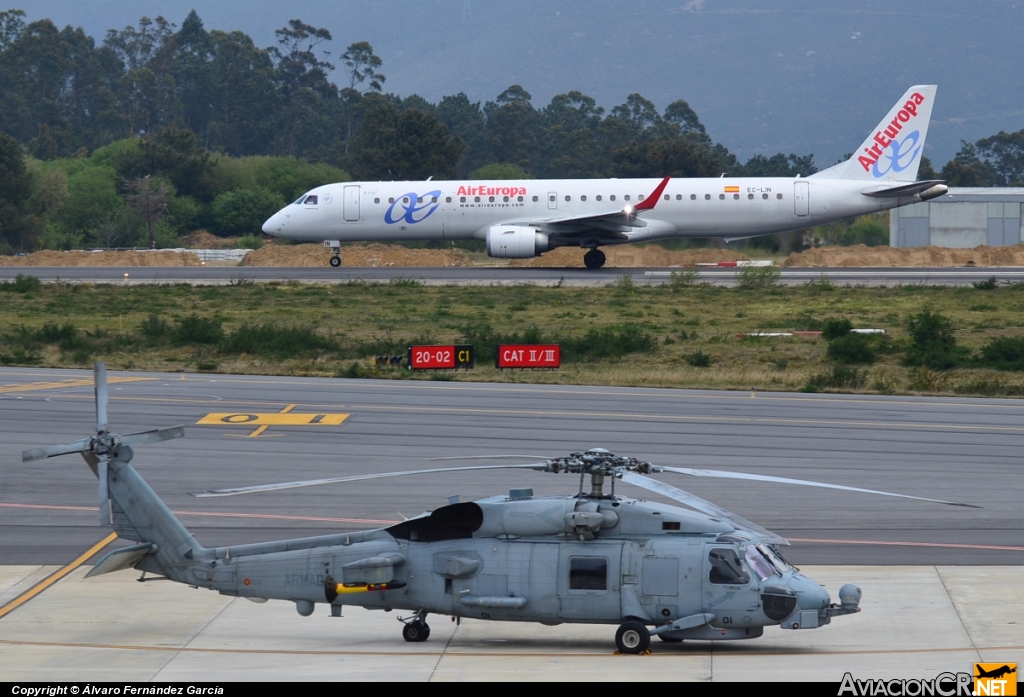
700,572
271,419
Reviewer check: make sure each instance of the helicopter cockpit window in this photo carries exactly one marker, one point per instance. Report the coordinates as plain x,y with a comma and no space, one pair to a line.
588,573
761,565
311,200
726,567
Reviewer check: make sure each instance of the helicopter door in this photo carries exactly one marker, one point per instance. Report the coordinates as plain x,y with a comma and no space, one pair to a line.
589,580
728,590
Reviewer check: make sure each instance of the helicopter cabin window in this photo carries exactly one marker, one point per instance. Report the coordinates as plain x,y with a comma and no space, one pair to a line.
588,573
726,567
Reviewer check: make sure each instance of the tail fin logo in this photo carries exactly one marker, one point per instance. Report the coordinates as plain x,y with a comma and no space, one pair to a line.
903,152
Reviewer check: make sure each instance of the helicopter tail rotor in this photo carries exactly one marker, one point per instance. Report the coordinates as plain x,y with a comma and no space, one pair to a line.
97,450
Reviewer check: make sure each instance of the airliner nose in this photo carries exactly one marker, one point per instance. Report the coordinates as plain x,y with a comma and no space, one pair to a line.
274,224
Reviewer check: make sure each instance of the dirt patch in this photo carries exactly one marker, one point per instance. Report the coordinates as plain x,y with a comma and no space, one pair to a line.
49,257
630,256
862,255
201,239
373,255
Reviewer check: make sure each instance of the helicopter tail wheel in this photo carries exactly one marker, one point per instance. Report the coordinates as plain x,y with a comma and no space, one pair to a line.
416,631
336,261
594,259
632,637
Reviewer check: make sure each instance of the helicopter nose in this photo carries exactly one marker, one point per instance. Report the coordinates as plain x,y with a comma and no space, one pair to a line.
809,594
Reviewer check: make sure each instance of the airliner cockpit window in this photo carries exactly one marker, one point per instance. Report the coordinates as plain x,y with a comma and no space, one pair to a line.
299,200
311,200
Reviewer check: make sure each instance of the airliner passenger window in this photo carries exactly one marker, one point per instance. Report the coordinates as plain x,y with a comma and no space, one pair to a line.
376,200
679,197
405,200
447,199
419,199
551,197
721,197
612,197
667,197
311,200
519,198
476,199
583,198
778,196
764,196
462,199
599,197
568,198
707,197
693,197
735,197
505,199
640,197
433,199
491,199
391,200
535,199
750,197
626,197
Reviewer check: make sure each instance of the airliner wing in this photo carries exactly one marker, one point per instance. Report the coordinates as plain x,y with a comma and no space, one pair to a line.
609,224
905,190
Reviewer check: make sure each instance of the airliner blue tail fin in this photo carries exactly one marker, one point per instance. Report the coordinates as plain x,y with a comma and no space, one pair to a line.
892,151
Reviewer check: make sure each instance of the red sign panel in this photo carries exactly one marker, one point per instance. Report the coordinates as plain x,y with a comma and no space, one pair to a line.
440,357
528,356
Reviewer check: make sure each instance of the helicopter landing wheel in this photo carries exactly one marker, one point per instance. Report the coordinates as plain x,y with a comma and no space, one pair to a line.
336,261
416,631
594,259
632,637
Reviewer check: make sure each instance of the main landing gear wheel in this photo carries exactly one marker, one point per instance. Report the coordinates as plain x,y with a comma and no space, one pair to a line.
632,637
416,631
594,259
336,261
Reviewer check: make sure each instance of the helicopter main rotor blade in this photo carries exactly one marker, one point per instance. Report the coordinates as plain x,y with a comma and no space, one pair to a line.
78,446
155,436
702,505
721,474
486,457
100,380
355,478
104,490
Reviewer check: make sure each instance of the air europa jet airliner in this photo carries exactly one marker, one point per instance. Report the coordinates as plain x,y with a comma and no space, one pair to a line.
521,219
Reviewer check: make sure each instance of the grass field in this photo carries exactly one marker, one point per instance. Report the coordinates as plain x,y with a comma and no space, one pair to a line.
675,335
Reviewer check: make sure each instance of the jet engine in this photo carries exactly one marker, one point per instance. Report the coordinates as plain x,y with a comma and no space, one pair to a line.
516,242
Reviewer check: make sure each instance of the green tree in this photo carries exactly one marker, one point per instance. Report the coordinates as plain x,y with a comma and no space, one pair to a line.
173,153
243,211
499,171
404,144
18,229
933,343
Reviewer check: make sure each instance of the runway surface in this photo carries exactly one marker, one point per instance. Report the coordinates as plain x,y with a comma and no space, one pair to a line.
222,275
956,449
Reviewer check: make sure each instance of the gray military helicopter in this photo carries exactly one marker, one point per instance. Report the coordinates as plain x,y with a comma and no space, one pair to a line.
595,557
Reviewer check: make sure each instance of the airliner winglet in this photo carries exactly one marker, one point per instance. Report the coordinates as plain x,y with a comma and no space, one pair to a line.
526,218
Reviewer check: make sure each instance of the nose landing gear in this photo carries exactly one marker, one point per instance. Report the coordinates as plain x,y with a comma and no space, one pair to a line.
594,259
336,260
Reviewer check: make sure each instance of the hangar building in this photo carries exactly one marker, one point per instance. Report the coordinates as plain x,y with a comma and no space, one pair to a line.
965,218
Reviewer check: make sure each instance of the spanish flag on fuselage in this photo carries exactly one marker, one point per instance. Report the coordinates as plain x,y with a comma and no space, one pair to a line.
732,189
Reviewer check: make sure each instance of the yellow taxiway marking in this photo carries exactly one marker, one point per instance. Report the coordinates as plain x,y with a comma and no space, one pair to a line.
271,419
58,384
285,417
56,576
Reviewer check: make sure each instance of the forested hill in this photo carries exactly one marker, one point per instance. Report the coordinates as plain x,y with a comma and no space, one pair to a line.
189,128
